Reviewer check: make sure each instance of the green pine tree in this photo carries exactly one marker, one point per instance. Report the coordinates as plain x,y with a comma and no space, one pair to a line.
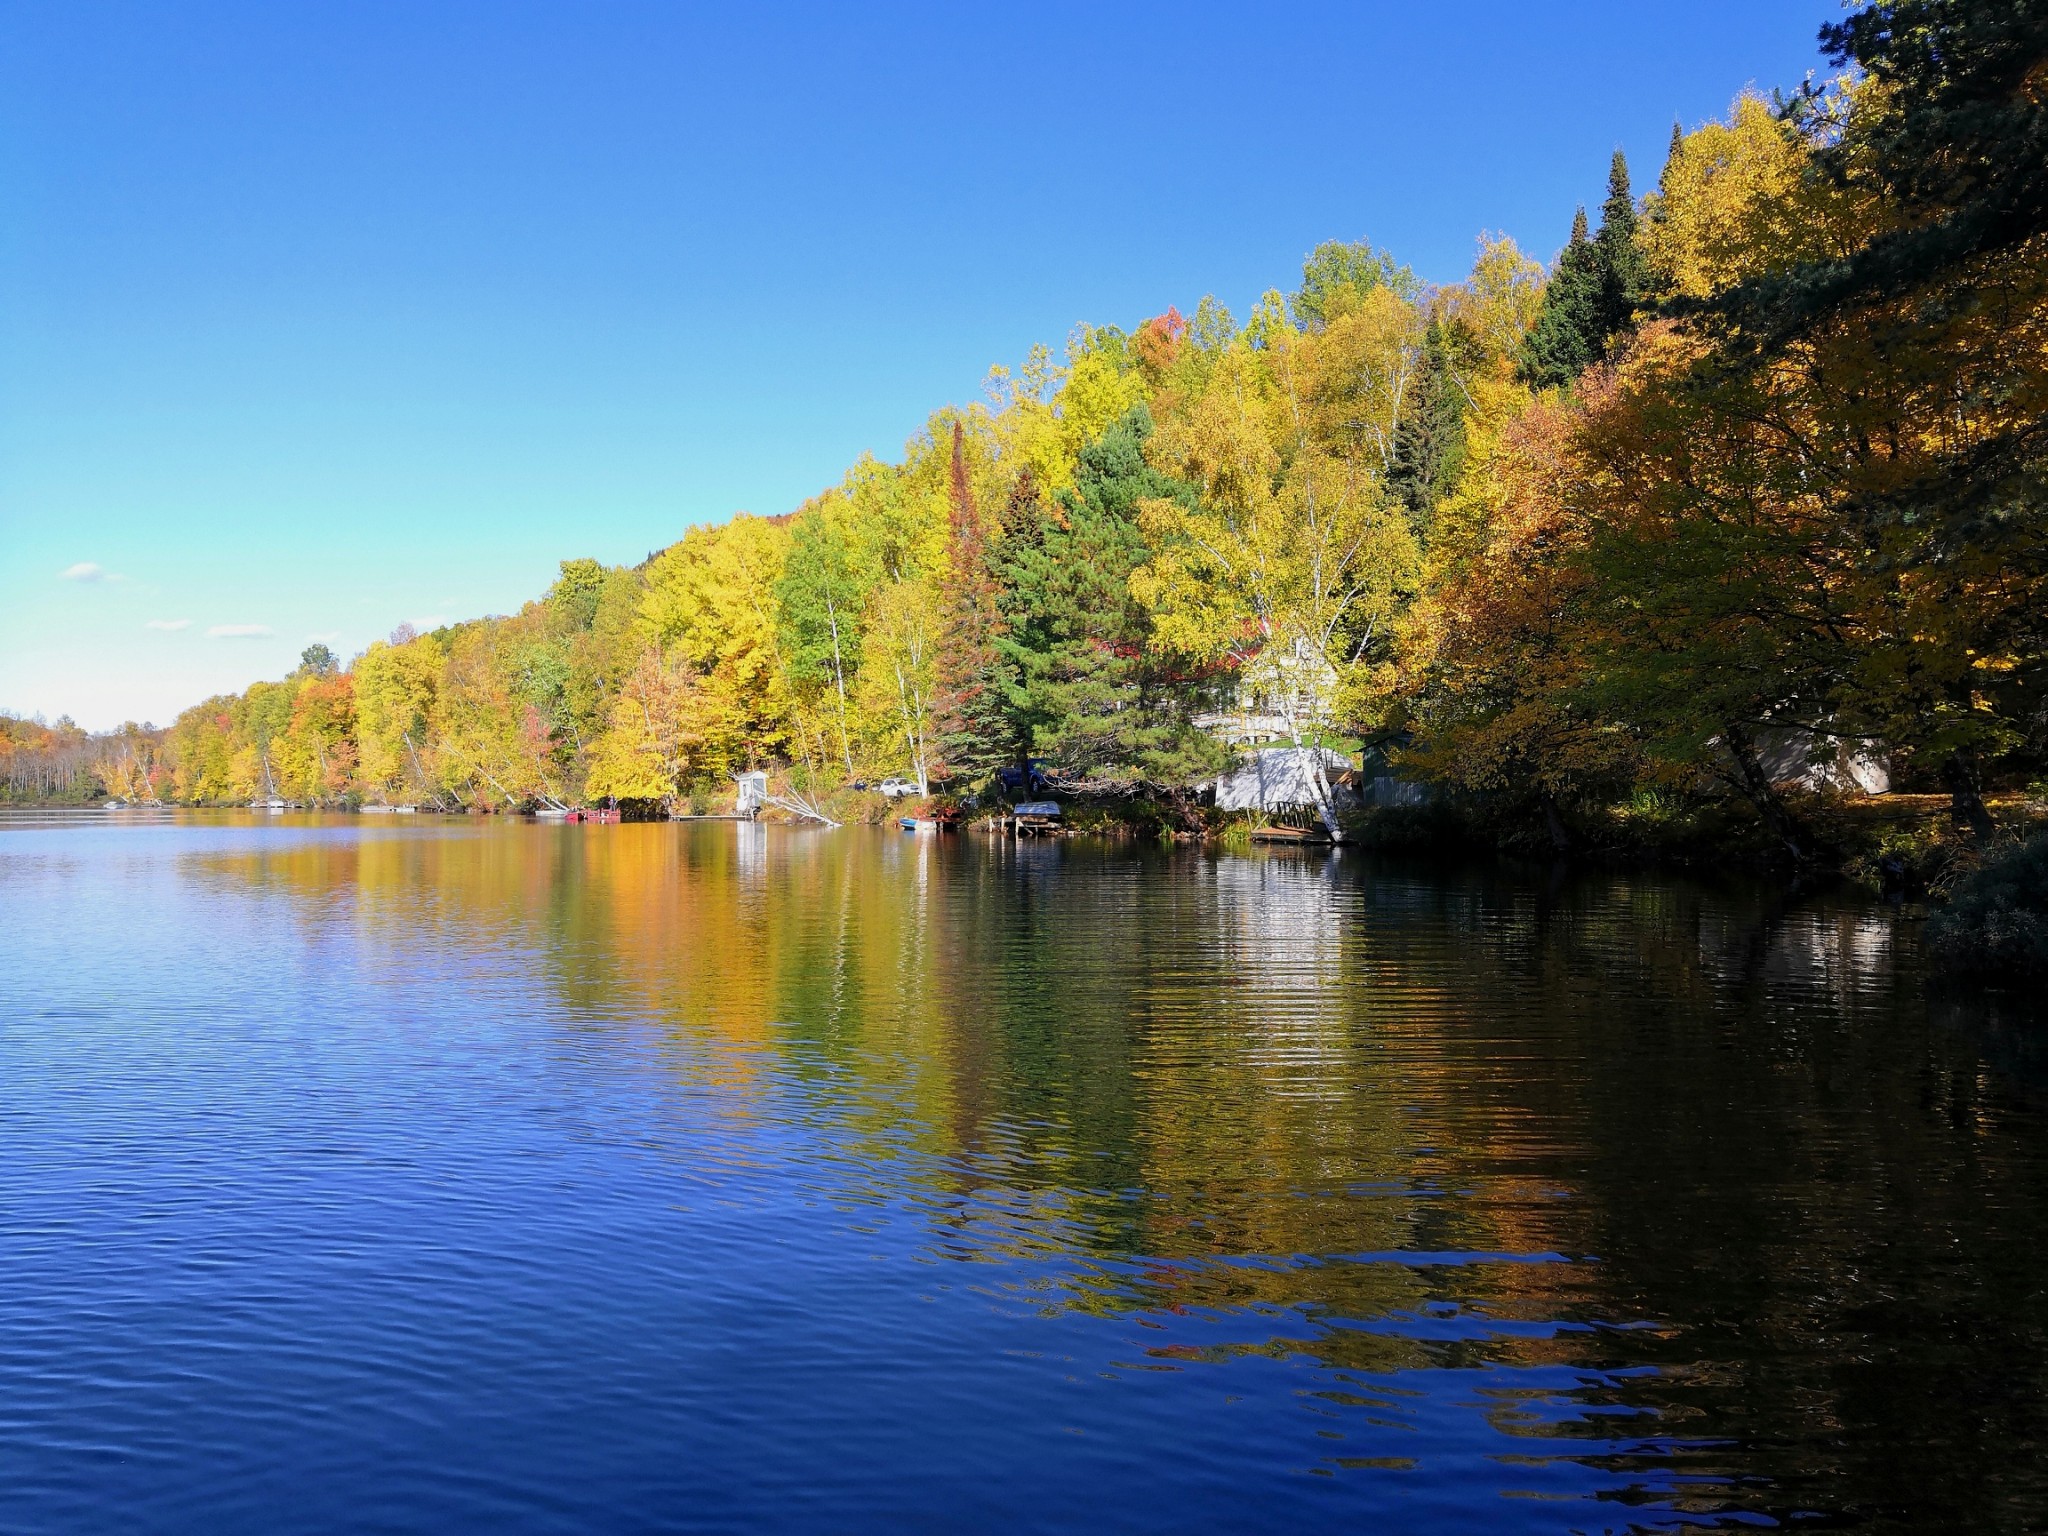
1593,296
1430,445
1108,709
1624,270
974,734
1566,338
1066,675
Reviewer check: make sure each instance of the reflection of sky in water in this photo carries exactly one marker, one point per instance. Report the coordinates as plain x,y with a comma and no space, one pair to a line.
731,1175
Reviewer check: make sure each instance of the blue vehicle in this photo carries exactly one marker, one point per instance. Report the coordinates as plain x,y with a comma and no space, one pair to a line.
1043,777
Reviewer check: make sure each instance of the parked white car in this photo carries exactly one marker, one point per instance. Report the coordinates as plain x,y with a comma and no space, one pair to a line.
897,789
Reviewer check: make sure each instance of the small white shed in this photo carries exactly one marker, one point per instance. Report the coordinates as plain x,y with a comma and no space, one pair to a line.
1823,764
1278,779
753,792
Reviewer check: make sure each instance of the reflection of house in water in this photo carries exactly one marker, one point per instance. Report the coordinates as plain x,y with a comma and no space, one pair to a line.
1278,919
750,852
1821,954
1283,933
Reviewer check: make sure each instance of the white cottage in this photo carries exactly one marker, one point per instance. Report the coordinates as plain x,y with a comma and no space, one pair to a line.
1282,779
1279,691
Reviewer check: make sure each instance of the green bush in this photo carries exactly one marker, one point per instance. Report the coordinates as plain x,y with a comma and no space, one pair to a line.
1996,922
1652,806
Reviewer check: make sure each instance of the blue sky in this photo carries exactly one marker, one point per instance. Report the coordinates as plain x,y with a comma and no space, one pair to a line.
317,318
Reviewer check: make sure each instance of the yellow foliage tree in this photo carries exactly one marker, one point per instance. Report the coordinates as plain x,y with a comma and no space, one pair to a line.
396,685
899,677
1738,198
1295,556
653,734
712,599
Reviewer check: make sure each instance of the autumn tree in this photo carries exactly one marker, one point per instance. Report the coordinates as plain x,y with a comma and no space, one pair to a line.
821,599
1724,595
396,686
1292,556
897,685
654,732
1493,651
1339,275
712,598
315,754
1933,324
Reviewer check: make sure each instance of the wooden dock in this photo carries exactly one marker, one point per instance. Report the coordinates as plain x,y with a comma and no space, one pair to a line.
1298,835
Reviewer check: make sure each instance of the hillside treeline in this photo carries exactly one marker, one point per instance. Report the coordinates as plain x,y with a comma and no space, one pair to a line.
66,764
1760,453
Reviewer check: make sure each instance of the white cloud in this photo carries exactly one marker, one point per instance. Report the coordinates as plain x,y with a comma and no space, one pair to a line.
431,621
168,626
239,632
85,570
325,636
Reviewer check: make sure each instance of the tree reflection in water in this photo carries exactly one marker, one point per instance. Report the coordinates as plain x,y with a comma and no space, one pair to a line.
1675,1185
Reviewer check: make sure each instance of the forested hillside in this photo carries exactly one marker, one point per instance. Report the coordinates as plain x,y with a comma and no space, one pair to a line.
1761,450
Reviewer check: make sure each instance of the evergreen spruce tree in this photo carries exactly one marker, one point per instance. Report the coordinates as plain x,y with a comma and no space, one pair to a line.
967,709
1566,338
1067,678
1102,707
1624,270
1595,292
1430,445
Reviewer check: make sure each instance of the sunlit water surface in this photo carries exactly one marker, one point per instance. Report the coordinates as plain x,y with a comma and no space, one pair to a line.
464,1176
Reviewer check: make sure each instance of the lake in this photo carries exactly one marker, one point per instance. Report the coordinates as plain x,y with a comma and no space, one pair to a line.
480,1175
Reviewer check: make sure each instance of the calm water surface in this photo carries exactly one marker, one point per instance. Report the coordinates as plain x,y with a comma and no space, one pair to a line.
518,1178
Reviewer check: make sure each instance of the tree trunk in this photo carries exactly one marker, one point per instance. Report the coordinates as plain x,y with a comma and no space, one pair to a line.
912,708
1325,798
839,679
1560,839
1965,800
1763,794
